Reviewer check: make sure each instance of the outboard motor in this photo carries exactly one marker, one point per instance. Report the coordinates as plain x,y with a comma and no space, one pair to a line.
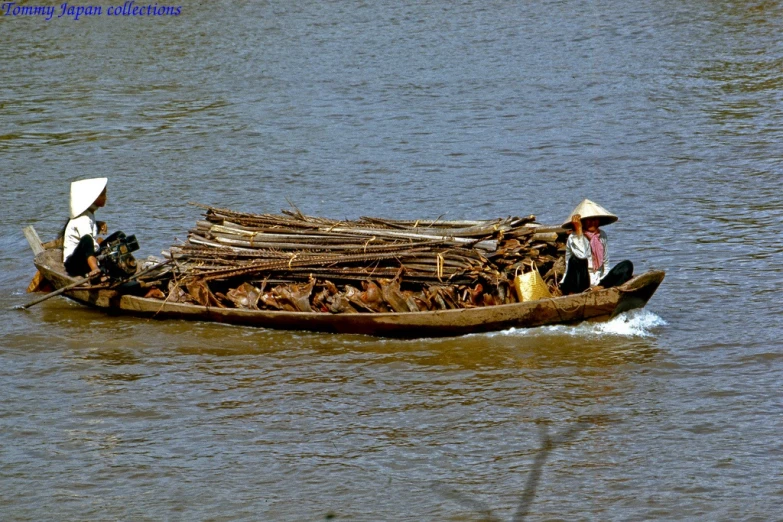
115,255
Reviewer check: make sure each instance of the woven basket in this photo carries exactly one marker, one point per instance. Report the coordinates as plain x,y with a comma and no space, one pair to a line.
530,286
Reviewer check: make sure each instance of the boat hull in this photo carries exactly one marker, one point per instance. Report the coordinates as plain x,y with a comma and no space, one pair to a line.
591,305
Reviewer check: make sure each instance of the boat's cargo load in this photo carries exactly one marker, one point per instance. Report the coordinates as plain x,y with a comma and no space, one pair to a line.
294,262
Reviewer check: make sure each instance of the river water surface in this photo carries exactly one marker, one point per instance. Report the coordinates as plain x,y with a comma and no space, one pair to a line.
670,114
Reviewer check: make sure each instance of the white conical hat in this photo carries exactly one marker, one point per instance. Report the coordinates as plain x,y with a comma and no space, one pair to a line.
84,193
590,209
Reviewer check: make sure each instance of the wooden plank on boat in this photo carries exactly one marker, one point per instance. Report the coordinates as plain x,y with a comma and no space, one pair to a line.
54,243
33,240
39,284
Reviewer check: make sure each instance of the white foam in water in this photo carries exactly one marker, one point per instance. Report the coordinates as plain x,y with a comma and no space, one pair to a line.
636,323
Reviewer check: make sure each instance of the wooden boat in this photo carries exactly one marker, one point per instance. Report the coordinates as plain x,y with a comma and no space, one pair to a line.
592,305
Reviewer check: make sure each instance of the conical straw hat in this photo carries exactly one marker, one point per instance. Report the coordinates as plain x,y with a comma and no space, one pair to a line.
84,193
590,209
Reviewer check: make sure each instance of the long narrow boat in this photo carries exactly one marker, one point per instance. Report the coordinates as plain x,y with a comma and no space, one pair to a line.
591,305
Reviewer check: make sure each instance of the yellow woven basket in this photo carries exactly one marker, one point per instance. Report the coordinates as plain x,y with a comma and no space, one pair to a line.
530,286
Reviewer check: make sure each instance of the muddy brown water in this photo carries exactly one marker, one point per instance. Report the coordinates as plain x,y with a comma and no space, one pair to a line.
667,113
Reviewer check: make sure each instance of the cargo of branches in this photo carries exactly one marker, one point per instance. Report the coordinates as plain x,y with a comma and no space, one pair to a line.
298,263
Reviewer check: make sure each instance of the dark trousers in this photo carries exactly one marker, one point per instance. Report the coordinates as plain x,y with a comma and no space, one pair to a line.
619,274
578,277
76,264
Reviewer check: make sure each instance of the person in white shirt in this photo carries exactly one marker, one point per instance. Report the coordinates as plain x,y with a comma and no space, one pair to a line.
80,238
587,253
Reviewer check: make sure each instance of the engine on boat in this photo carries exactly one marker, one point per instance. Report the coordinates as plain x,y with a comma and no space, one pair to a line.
116,258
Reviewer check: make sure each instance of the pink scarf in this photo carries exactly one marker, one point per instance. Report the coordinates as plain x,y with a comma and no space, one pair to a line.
597,249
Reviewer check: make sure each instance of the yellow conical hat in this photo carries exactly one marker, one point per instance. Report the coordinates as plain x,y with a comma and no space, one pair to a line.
84,193
590,209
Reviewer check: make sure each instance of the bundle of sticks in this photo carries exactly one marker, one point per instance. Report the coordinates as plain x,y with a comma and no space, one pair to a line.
294,262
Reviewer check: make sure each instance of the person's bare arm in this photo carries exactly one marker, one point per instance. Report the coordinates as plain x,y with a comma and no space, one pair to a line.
102,229
576,221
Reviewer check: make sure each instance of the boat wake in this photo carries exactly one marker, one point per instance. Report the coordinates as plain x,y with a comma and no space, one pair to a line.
635,323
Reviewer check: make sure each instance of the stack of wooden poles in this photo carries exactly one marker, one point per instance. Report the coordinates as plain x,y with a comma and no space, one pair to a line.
294,262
